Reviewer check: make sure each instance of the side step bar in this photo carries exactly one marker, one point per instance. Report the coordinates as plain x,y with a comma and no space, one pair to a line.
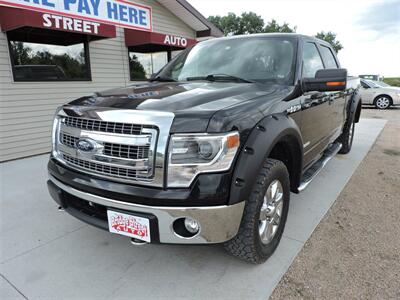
313,171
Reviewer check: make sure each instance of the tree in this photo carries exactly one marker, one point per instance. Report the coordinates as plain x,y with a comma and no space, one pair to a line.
22,54
229,24
330,37
273,26
250,23
137,70
247,23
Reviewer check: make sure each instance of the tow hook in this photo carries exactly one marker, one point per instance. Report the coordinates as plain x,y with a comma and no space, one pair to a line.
61,209
137,242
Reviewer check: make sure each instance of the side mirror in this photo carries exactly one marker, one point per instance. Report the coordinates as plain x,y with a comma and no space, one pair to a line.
326,80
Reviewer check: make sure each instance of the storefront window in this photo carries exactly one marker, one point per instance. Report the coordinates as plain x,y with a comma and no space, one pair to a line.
142,65
45,62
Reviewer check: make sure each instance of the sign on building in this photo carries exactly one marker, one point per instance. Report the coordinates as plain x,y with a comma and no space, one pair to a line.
115,12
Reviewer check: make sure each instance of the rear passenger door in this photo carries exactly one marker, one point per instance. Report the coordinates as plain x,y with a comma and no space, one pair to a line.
316,125
338,99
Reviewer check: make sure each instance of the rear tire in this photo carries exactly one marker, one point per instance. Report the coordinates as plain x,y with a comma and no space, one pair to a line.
264,215
382,102
347,136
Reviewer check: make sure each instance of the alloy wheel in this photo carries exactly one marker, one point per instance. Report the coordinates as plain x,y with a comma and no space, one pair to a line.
271,212
382,102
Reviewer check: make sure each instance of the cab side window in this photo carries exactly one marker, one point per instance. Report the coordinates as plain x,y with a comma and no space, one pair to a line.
329,59
312,61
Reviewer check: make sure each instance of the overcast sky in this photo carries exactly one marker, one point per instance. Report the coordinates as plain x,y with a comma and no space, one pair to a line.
369,30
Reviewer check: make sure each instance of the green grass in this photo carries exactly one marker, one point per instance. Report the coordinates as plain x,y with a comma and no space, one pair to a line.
394,81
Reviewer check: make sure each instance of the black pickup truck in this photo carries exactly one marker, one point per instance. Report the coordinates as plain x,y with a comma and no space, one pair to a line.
210,148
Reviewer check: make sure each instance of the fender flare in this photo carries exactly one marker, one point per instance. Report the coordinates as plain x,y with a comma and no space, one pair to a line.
354,108
258,146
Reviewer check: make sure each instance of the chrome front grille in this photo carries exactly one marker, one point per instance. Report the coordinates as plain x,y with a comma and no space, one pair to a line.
103,126
117,144
126,151
100,168
110,149
122,156
68,140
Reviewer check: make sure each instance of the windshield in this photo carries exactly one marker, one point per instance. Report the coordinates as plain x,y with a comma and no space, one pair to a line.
264,59
372,84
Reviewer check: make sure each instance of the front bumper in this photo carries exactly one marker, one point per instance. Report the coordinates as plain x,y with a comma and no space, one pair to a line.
217,223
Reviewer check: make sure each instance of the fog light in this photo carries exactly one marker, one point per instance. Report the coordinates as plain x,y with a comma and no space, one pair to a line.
192,225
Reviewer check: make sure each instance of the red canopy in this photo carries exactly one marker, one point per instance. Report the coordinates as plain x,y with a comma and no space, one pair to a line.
144,41
15,19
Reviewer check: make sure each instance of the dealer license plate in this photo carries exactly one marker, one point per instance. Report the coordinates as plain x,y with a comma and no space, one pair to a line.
129,225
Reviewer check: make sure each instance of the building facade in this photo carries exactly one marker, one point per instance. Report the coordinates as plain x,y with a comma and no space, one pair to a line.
54,51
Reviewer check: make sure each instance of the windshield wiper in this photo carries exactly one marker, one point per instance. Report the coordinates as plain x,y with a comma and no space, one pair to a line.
162,79
221,77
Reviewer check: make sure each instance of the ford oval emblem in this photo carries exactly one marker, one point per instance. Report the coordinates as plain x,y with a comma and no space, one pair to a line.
85,145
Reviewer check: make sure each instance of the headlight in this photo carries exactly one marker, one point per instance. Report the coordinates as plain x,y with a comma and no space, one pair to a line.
192,154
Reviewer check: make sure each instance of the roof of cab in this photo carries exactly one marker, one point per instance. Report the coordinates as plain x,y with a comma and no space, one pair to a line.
278,34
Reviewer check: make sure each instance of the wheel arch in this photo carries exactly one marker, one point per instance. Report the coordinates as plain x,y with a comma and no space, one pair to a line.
288,150
358,112
267,140
354,108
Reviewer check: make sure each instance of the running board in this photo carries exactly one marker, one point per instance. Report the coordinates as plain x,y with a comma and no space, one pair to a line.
313,171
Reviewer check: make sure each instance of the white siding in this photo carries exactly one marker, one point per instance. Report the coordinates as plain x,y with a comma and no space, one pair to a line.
26,109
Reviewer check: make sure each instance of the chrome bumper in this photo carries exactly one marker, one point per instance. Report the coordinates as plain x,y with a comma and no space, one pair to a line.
217,223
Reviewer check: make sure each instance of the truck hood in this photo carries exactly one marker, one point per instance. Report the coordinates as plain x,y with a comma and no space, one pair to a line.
193,103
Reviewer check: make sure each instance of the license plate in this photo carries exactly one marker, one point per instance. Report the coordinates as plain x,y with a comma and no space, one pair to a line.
129,225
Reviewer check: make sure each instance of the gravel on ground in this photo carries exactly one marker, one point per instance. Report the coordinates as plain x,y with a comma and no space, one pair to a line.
354,253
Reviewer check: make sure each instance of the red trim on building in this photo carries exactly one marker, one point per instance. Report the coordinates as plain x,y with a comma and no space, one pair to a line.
14,18
134,38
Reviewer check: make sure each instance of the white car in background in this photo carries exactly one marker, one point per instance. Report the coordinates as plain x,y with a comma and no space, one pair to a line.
379,94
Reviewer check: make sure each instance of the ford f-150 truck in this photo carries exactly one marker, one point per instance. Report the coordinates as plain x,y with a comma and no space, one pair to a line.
209,150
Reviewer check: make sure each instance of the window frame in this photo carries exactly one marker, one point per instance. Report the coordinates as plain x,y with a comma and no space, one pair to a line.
332,53
302,57
87,61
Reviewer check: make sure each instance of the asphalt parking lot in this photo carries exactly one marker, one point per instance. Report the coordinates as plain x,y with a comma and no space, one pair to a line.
45,253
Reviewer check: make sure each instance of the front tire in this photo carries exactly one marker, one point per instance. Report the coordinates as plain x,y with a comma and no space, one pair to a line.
382,102
264,215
